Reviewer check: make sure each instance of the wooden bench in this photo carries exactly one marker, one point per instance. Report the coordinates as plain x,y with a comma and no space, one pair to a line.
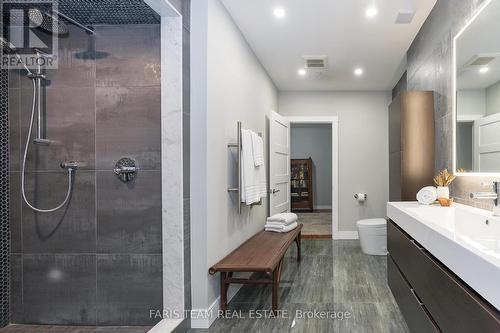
263,253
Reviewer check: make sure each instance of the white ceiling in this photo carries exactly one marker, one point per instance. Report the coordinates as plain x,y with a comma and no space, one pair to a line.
480,38
336,28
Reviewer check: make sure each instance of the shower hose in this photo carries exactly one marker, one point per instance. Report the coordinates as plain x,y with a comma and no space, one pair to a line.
70,170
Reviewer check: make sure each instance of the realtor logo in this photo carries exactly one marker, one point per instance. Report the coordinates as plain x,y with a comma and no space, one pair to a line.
29,34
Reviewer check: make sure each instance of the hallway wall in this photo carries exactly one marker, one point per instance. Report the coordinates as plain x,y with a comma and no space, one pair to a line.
231,85
363,145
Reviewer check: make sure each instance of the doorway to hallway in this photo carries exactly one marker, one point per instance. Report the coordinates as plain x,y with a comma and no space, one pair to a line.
311,178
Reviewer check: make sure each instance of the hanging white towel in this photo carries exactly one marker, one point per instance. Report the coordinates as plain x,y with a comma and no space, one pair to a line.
249,173
261,172
258,149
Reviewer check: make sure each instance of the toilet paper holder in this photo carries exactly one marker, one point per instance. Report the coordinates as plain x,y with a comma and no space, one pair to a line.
361,196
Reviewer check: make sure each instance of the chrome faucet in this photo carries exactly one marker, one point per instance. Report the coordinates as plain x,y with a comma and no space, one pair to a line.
495,196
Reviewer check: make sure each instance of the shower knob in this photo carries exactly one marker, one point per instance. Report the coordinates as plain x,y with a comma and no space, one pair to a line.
71,165
126,169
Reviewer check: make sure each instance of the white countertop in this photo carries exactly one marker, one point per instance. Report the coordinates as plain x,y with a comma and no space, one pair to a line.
460,238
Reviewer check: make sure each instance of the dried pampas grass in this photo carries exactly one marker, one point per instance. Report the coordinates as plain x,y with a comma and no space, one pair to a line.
444,178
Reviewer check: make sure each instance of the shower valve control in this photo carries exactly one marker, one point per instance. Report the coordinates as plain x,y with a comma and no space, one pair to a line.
126,169
71,165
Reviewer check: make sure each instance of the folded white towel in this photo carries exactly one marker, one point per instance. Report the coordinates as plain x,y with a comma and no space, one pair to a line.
258,149
283,229
283,217
278,224
427,195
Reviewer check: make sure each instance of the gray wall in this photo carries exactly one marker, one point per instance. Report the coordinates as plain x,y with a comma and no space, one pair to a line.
363,146
464,145
493,99
400,86
429,68
98,261
220,98
471,102
315,142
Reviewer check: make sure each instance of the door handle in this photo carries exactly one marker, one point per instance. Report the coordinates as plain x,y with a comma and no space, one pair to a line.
275,191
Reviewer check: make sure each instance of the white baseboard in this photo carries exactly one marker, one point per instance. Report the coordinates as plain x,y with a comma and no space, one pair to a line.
345,235
165,326
204,318
323,207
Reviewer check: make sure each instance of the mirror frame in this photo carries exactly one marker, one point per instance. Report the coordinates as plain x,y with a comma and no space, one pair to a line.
454,98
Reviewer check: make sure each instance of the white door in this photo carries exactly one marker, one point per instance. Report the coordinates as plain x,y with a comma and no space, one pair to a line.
279,164
487,144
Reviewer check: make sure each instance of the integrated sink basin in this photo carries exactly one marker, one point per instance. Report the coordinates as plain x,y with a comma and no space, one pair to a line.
463,238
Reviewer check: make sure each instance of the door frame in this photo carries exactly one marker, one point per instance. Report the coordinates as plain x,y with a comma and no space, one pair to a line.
334,122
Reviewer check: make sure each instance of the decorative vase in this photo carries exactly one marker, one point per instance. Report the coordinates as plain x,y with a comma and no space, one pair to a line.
443,192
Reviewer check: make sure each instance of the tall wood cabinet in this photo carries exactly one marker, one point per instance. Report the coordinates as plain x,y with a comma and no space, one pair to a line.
411,144
301,184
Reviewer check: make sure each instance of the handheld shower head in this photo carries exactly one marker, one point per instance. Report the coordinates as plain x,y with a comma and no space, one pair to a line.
7,46
10,49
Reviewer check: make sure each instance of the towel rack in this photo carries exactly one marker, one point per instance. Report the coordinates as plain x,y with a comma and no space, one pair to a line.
238,146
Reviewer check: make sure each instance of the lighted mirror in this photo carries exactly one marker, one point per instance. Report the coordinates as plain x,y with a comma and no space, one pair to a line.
477,84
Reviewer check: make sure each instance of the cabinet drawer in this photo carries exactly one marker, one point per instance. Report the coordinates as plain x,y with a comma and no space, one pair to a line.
412,309
453,305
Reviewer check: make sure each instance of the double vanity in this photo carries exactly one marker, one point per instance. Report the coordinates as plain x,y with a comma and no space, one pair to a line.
444,267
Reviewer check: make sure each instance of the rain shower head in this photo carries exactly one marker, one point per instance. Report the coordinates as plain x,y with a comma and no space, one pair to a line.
91,53
48,22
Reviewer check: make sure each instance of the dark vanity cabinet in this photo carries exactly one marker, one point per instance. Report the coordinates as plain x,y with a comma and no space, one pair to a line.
430,296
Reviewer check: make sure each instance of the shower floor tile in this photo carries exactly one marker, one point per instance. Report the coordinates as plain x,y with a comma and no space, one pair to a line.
72,329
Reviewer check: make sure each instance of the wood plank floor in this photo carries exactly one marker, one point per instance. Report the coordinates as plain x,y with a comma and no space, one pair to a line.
333,276
316,225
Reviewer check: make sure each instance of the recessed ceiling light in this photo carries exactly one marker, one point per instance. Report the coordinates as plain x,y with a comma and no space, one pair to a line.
279,12
371,12
483,70
302,72
358,71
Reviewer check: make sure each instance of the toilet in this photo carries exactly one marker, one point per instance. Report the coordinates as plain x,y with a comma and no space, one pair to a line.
373,236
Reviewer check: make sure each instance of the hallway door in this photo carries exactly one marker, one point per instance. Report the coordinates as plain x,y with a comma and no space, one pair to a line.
279,164
486,143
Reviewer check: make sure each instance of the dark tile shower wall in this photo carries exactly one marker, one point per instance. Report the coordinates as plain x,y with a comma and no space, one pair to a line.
400,86
429,68
4,201
97,262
